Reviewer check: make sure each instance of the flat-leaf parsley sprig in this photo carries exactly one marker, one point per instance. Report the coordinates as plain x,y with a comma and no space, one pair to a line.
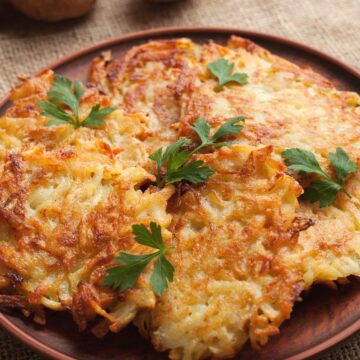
222,69
64,92
202,128
325,189
178,168
173,163
131,266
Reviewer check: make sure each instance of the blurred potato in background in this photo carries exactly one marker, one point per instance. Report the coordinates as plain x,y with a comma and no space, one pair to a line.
53,10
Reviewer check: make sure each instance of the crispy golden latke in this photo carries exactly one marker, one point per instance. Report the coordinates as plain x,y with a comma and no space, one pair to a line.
152,79
245,245
232,237
68,198
284,106
287,106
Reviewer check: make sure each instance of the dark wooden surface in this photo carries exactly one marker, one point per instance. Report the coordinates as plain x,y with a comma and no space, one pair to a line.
325,316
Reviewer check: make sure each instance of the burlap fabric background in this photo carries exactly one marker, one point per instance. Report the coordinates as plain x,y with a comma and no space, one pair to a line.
26,46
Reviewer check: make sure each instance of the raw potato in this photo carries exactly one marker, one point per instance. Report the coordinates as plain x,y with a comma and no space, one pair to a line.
53,10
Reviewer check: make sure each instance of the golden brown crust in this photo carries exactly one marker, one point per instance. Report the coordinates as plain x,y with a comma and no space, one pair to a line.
244,248
231,238
285,106
150,78
68,199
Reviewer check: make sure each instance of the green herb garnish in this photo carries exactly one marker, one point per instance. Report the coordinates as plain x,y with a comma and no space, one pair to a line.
178,168
222,69
64,92
325,189
125,275
202,128
175,157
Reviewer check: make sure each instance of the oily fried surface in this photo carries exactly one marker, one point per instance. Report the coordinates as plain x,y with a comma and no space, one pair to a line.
231,238
287,106
244,245
284,106
68,198
150,78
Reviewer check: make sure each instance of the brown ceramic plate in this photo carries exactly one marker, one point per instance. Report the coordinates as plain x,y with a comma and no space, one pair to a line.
324,318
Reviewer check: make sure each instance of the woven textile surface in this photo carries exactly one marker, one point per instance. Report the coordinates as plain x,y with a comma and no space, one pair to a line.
26,45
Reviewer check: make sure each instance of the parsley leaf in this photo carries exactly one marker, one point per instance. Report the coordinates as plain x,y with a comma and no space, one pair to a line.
176,157
61,92
322,190
124,277
64,92
56,113
222,69
170,151
202,129
343,166
157,156
150,238
193,172
229,128
303,161
163,272
173,155
78,90
95,116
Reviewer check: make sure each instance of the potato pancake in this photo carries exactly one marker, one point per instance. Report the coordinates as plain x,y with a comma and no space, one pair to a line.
150,78
243,242
287,106
68,198
232,238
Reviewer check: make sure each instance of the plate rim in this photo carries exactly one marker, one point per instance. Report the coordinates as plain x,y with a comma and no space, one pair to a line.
52,353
